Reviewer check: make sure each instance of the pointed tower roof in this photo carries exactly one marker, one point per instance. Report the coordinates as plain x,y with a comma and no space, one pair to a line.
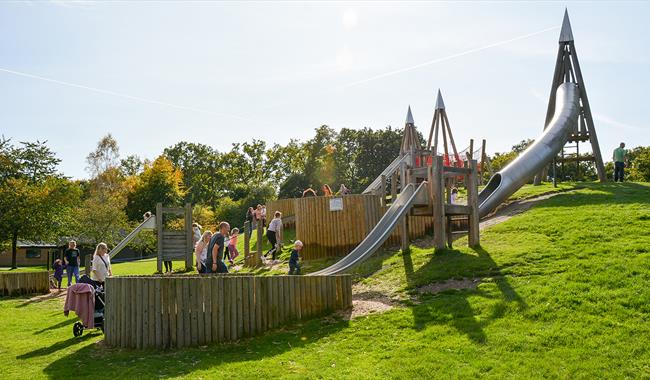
410,138
566,34
440,104
409,117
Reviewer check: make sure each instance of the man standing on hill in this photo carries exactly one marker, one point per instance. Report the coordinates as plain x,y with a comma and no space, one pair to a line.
71,257
619,157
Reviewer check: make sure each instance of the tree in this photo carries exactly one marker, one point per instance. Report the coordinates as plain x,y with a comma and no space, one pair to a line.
131,165
639,160
159,182
104,157
35,200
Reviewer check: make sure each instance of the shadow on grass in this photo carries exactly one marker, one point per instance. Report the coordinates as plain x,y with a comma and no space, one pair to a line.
47,351
181,362
452,307
64,323
43,297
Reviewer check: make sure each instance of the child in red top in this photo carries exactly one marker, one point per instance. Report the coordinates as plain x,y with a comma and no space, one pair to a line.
232,244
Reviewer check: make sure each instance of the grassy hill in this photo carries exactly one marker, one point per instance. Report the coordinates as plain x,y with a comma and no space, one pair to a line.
560,291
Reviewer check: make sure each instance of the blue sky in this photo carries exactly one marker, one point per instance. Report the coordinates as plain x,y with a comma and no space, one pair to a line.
155,73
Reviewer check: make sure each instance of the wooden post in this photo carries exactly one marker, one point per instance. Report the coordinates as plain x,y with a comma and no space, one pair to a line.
260,236
159,233
189,247
383,190
88,263
393,187
472,202
404,223
437,185
482,161
247,243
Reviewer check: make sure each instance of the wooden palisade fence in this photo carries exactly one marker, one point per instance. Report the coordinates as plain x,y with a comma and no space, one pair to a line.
182,311
15,283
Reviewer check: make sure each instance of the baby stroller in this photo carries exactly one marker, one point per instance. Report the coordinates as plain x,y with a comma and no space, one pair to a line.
98,315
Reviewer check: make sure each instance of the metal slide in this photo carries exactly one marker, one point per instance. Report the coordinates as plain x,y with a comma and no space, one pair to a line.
380,233
390,169
148,224
531,161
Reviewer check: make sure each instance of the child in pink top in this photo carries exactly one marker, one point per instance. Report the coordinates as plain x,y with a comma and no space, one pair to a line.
232,244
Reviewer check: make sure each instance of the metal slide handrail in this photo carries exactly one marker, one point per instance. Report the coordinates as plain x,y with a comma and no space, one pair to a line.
148,224
390,169
379,234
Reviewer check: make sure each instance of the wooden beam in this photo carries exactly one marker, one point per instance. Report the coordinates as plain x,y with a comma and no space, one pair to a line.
472,203
159,235
189,247
437,185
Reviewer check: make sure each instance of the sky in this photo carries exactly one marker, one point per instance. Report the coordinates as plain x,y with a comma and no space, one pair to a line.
159,72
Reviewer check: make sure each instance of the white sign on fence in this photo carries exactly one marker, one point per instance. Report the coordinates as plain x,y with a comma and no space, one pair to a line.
336,204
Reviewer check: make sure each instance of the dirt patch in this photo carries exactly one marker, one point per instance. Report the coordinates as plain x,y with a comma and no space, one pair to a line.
437,287
366,301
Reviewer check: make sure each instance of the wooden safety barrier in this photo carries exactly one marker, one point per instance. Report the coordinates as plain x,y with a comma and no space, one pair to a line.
182,311
16,283
285,206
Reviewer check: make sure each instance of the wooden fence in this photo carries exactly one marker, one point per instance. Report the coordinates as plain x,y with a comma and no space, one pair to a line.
285,206
15,283
182,311
333,232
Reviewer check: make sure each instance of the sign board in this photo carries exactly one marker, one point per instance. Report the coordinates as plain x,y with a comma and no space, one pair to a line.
336,204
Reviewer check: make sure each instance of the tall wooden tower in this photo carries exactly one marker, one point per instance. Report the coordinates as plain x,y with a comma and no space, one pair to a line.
441,123
567,69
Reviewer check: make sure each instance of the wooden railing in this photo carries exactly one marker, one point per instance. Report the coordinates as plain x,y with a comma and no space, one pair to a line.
182,311
16,283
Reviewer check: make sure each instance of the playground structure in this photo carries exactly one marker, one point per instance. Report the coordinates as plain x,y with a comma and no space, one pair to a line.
567,105
171,244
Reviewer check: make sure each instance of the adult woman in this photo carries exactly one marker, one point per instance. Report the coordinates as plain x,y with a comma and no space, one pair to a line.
250,217
101,265
327,190
201,251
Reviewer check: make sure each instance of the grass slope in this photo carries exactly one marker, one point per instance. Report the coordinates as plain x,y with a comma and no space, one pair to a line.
564,292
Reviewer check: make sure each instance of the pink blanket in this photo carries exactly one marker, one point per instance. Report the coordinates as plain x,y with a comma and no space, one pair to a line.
81,300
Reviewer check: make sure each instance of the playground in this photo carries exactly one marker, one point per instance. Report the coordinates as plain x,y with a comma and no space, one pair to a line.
439,266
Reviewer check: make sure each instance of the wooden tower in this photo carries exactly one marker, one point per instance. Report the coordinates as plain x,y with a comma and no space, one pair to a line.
441,123
567,69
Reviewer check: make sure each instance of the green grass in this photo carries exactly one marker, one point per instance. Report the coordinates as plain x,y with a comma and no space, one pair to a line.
564,293
35,268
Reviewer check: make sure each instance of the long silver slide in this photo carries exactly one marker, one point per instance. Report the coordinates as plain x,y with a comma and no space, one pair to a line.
148,224
390,169
380,233
531,161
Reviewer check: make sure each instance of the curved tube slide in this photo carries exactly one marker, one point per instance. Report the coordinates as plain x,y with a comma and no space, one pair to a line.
531,161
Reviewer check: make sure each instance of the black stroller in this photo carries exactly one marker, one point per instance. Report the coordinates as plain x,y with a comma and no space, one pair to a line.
78,327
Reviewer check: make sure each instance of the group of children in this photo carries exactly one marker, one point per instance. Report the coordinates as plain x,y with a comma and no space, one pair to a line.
202,244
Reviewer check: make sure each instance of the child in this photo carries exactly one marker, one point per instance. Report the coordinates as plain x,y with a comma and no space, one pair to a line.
226,250
272,234
232,245
454,195
58,272
294,261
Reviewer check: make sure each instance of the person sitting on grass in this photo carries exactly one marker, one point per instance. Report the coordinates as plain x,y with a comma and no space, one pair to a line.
232,245
294,260
214,260
101,266
58,272
201,251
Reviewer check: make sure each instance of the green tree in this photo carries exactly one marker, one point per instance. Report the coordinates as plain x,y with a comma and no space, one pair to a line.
639,163
159,182
204,176
35,201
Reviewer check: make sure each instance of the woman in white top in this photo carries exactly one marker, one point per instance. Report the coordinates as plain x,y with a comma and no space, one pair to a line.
101,266
201,251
